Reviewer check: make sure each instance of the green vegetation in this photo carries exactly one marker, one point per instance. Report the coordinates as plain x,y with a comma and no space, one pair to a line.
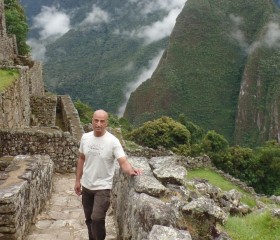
267,167
163,132
95,64
16,23
257,226
259,168
7,76
84,110
202,73
219,181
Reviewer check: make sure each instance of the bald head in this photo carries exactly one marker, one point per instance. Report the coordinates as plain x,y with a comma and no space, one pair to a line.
100,113
99,122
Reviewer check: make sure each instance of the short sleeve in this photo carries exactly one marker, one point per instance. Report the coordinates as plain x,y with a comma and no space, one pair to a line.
118,149
82,144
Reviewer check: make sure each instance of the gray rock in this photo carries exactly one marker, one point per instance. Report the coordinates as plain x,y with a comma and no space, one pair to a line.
168,233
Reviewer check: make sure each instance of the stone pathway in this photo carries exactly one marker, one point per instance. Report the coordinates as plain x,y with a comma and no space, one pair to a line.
62,218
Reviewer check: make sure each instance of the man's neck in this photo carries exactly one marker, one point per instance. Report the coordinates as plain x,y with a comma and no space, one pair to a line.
96,134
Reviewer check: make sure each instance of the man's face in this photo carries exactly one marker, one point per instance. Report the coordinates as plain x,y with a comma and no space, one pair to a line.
99,123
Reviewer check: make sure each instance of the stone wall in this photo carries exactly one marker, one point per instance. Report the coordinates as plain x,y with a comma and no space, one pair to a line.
163,203
60,146
43,110
70,116
7,50
158,204
15,109
8,46
35,78
15,103
25,186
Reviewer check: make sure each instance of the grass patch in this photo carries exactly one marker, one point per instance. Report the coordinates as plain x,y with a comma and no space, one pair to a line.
219,181
131,146
255,226
7,77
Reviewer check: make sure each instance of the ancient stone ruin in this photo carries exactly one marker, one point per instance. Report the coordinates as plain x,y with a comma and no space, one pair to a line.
32,145
39,135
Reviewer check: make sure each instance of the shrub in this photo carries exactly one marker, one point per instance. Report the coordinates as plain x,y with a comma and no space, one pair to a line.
84,110
214,142
164,132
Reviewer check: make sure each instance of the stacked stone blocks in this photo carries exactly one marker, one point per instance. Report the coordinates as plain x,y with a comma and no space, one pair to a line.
25,185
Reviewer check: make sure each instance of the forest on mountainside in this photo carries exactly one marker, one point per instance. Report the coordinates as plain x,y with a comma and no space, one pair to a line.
221,69
220,66
258,167
95,60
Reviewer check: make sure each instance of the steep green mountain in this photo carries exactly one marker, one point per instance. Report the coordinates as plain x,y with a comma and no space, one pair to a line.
95,63
220,69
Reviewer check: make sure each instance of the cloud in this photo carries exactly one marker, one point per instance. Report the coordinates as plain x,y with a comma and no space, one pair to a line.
38,49
160,29
272,36
95,17
145,74
270,39
148,6
51,24
237,33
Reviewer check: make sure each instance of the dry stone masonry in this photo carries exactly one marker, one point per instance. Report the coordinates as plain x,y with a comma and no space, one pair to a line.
25,185
40,133
158,203
60,146
164,204
31,145
8,47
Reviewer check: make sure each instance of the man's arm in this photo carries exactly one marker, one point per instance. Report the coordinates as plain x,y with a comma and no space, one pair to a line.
127,168
79,173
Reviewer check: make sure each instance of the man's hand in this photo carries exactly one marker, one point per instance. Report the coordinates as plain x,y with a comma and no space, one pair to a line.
79,173
136,172
77,188
127,168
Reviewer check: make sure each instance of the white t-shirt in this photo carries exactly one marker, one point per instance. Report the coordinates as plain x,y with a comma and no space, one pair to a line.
100,160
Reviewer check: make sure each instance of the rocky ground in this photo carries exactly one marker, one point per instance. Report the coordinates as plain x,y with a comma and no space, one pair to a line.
63,218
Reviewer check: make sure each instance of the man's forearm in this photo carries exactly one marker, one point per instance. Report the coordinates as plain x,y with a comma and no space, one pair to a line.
79,170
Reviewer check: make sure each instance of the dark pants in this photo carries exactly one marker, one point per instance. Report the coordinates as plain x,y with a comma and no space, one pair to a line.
96,204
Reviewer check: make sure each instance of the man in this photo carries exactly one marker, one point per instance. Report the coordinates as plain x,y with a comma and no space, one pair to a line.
95,171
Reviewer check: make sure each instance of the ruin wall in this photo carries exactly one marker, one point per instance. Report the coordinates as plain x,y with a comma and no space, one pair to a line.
60,146
70,116
14,103
26,185
43,110
7,50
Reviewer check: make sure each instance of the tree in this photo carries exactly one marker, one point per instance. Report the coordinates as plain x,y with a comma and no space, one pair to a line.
16,23
164,132
196,131
268,169
214,142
